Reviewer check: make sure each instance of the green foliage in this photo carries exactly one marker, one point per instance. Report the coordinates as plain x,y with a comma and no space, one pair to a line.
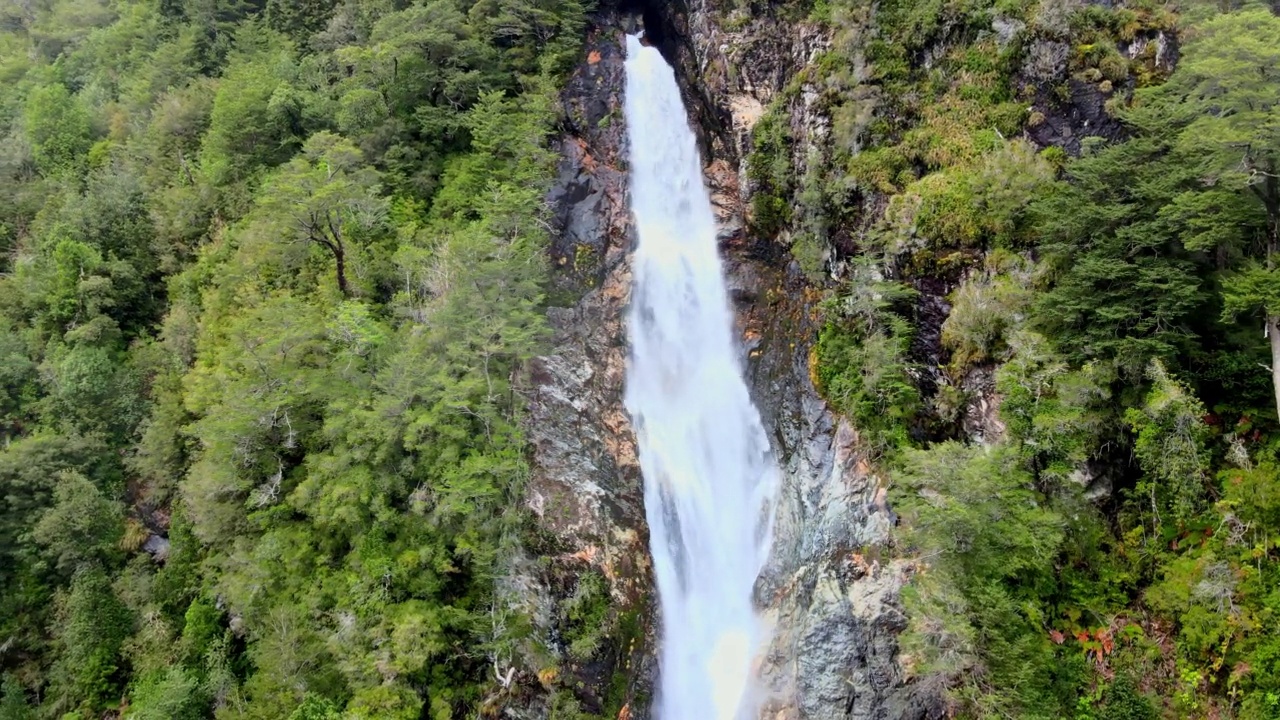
981,206
314,707
588,616
57,128
293,353
201,630
991,543
299,19
13,700
1124,290
1170,444
272,270
254,119
860,360
82,528
985,310
1059,415
172,695
1123,701
769,167
1128,488
92,627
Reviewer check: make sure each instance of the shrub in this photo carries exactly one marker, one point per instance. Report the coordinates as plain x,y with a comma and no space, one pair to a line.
860,360
983,310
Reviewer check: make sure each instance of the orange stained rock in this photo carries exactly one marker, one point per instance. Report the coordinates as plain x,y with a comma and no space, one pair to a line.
587,554
593,57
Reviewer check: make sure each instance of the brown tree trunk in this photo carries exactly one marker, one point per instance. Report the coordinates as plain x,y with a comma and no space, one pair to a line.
340,260
332,240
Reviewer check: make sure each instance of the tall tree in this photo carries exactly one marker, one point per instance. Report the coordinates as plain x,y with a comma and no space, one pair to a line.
91,630
323,197
1225,98
13,701
57,127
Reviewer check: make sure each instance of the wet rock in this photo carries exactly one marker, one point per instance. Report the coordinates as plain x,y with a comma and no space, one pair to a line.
586,488
1159,49
1070,107
980,421
584,493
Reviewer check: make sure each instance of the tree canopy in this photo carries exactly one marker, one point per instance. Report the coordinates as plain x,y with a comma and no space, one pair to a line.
250,471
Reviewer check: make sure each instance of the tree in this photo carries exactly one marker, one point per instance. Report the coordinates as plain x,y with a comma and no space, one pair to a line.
82,527
28,468
202,301
92,627
1124,289
13,700
174,694
314,707
255,390
252,122
58,128
90,390
17,384
298,19
989,541
1224,99
323,197
1170,445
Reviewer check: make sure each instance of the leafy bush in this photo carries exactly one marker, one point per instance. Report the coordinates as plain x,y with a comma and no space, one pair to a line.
984,310
859,362
769,167
1170,444
989,541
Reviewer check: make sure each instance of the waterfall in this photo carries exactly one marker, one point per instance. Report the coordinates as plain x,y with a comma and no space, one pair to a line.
709,474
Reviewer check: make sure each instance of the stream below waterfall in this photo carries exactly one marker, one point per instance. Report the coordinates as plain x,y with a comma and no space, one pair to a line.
710,476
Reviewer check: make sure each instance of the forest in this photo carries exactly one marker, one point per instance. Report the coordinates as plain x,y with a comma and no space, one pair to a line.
271,270
268,269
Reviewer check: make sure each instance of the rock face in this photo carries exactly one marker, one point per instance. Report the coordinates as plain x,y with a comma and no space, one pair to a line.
586,485
830,597
585,491
828,594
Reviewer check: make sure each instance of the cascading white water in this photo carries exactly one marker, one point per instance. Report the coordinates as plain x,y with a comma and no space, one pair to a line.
709,474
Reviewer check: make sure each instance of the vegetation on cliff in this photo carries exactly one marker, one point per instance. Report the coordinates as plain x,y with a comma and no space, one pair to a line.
1110,548
268,270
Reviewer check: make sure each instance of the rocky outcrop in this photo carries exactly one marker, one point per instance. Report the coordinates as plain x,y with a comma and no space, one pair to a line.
586,485
830,590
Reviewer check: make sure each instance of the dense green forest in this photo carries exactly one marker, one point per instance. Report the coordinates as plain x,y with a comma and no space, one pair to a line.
267,270
1113,551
